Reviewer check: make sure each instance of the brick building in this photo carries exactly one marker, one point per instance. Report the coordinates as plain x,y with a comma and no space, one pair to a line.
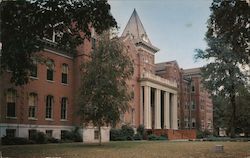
46,103
195,108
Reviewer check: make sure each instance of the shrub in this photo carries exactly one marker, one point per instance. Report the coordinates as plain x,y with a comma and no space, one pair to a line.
141,130
128,132
53,140
152,137
155,137
41,138
137,136
202,134
117,135
72,136
15,141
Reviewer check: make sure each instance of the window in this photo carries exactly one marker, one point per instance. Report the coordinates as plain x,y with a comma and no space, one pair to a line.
32,134
64,103
65,73
193,89
49,133
32,105
193,105
96,134
50,70
178,122
33,70
11,132
49,106
63,134
193,123
52,34
11,103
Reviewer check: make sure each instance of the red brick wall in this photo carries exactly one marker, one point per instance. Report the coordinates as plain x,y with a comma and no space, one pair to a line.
175,134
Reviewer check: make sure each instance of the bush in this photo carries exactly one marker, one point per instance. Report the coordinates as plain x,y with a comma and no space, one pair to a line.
15,141
53,140
39,138
137,136
117,135
72,136
202,134
141,130
128,132
155,137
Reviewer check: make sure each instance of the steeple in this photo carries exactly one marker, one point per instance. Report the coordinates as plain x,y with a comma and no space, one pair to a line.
135,28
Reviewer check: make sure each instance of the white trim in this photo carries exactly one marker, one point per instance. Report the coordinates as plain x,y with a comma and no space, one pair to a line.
54,52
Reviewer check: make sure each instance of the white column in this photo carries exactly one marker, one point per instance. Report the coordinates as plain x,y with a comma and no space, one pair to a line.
174,112
158,109
141,105
149,110
166,111
147,107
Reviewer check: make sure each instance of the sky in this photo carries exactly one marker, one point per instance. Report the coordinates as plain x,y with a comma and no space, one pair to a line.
176,27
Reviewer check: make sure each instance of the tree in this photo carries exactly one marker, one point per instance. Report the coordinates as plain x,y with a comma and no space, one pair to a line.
228,50
24,24
104,93
243,111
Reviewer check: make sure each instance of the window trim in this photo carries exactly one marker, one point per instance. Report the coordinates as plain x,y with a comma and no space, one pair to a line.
51,108
66,107
13,100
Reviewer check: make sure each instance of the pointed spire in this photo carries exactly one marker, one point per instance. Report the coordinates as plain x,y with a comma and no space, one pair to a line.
135,28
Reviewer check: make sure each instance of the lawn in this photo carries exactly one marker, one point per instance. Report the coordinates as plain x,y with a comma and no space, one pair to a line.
143,149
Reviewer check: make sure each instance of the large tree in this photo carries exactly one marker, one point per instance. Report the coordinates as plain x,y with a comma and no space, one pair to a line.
104,93
228,51
24,24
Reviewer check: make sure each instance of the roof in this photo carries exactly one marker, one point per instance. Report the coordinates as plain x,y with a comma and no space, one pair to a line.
135,30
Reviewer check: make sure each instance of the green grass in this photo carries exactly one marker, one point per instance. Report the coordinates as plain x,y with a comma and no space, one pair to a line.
143,149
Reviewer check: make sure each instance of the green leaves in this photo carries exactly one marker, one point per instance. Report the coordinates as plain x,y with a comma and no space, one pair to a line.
24,24
104,94
228,50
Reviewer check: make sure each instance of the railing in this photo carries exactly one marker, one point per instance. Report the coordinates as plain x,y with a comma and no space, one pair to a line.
158,78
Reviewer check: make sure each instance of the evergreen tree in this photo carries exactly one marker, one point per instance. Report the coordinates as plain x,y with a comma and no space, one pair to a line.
104,93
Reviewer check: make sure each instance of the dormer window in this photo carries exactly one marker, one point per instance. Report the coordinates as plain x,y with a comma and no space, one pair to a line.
52,34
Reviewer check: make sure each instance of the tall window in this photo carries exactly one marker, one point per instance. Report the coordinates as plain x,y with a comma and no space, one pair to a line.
50,70
64,104
65,73
193,123
193,105
32,105
11,103
49,106
96,134
193,88
33,72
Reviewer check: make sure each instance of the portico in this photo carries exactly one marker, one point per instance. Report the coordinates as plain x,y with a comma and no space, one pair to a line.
158,104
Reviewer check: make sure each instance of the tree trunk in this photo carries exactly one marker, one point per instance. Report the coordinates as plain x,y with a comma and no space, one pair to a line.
233,102
100,135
